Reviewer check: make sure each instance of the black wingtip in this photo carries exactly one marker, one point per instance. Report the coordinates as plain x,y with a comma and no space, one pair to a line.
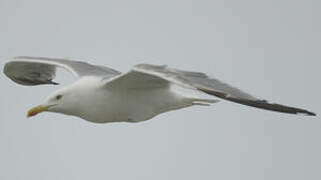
262,104
54,83
307,113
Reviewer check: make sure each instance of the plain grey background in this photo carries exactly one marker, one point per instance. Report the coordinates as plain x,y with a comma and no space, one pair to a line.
270,48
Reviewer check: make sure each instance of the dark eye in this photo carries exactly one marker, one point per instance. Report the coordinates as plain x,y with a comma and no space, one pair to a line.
58,97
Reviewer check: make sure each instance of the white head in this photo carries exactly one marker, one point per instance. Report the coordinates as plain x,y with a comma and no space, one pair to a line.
61,101
69,100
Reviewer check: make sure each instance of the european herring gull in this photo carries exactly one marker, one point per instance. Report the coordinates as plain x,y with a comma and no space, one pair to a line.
101,94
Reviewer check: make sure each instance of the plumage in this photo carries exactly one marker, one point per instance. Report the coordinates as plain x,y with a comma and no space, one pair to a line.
101,94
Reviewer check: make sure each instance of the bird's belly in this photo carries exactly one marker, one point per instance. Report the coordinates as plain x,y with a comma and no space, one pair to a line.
135,105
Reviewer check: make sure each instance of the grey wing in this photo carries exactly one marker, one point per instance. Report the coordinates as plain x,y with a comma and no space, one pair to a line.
32,71
200,82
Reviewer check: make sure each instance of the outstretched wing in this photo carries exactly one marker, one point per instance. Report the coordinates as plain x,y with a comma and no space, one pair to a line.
145,75
32,71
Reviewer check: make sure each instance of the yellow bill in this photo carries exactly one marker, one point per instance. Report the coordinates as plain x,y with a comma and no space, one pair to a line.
36,110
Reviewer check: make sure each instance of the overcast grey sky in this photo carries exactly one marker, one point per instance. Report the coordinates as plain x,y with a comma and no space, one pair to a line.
270,48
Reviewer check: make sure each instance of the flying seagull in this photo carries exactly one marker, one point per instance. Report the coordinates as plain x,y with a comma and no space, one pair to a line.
101,94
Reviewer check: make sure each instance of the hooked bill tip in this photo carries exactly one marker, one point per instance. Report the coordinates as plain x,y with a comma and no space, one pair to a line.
36,110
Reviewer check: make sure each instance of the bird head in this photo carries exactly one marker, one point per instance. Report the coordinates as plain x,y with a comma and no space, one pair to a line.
71,99
57,102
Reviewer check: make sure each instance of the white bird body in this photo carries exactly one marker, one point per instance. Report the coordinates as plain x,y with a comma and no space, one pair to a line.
105,104
101,94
